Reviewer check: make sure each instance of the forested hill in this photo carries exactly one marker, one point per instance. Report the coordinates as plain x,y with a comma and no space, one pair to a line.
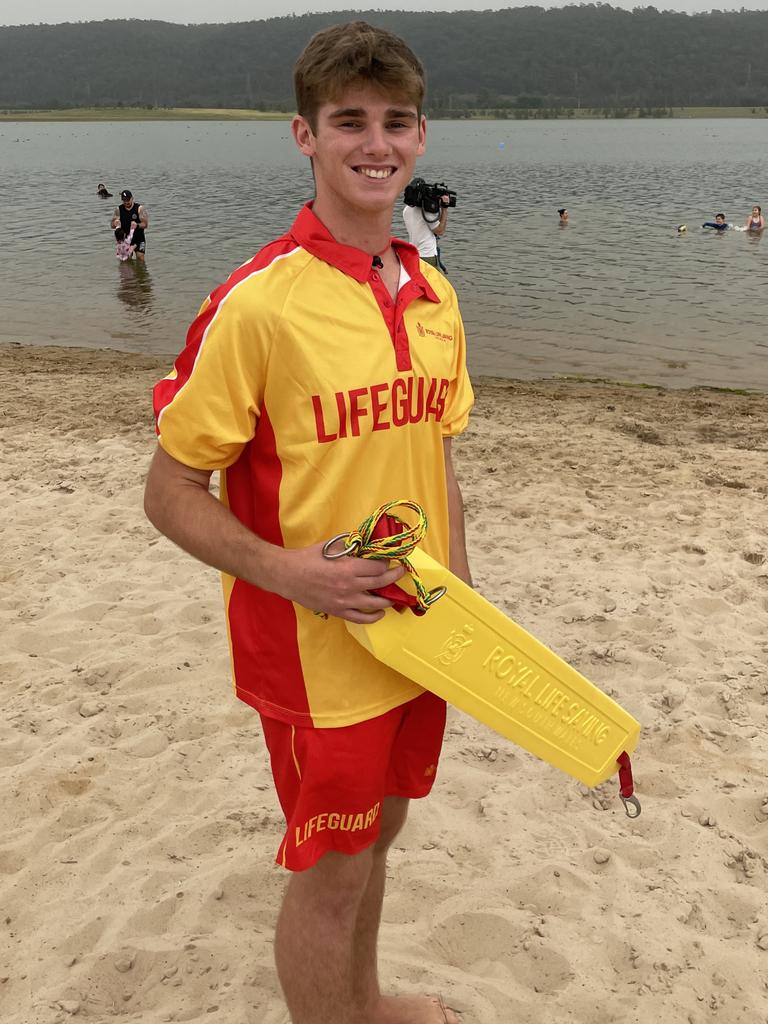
578,56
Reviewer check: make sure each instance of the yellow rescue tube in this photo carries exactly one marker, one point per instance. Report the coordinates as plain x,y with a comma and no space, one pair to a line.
468,652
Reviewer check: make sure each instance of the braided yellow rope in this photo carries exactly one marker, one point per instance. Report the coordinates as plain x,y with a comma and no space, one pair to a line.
397,547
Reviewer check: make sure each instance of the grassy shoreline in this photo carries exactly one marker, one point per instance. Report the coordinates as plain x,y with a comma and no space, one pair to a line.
234,114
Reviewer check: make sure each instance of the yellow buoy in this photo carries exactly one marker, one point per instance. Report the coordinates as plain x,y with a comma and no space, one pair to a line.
471,654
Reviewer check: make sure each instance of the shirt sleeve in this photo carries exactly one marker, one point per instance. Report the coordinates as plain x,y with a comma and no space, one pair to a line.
461,397
208,407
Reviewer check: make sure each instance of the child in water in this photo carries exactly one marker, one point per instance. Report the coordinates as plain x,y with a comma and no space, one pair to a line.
719,223
125,248
756,220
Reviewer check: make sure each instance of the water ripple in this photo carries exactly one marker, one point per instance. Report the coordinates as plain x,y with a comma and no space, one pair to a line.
617,293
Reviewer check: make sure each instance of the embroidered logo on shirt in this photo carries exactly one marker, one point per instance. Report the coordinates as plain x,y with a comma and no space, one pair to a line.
423,331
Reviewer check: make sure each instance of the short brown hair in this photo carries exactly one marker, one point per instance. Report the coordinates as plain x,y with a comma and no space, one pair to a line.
355,52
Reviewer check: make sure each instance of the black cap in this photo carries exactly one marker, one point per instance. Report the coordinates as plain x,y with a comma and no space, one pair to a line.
126,194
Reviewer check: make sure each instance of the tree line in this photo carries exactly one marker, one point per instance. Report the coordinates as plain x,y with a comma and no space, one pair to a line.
523,59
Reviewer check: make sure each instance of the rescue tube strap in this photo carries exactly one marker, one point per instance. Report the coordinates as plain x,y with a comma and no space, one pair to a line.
627,786
385,536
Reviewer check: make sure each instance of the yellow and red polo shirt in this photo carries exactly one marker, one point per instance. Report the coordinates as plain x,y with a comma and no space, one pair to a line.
318,397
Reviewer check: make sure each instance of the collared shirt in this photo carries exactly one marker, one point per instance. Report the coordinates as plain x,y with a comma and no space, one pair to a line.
318,397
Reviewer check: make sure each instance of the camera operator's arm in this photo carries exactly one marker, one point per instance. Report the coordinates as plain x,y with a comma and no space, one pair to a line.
439,228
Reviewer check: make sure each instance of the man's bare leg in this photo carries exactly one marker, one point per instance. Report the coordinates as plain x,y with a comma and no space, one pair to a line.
327,934
315,936
385,1009
365,949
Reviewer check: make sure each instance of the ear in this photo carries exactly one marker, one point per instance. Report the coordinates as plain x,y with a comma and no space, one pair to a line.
303,135
422,136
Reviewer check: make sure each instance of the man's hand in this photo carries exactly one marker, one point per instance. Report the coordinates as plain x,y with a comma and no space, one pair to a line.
339,586
178,502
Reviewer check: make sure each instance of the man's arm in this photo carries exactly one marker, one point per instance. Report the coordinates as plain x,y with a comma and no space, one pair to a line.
179,504
143,218
115,222
458,563
439,228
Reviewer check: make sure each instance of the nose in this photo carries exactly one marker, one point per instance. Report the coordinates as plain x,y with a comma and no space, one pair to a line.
376,142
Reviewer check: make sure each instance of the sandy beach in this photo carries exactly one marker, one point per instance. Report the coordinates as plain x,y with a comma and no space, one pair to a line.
625,527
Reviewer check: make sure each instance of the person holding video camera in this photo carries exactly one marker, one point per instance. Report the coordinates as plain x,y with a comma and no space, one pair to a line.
426,215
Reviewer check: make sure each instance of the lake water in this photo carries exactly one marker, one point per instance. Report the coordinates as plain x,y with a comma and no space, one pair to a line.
616,294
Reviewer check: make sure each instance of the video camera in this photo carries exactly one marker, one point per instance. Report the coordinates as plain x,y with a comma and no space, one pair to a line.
428,197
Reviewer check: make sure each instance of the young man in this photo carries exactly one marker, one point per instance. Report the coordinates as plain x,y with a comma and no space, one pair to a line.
325,377
132,215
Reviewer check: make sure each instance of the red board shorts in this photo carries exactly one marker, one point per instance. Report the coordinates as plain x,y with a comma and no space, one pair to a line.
331,783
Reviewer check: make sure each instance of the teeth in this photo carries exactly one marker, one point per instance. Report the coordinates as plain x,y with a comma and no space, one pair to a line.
371,172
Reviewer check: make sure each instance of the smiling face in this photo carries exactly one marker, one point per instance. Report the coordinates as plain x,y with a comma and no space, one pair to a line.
363,149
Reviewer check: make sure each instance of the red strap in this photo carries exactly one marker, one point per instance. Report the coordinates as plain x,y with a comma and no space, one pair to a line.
626,782
387,526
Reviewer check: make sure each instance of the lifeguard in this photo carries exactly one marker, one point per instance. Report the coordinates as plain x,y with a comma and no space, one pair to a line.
325,377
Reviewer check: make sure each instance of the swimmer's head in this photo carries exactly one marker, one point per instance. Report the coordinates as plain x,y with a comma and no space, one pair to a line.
682,228
720,218
756,211
563,214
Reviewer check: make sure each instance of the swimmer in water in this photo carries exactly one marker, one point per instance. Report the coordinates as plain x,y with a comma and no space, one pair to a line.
756,220
103,191
563,214
719,223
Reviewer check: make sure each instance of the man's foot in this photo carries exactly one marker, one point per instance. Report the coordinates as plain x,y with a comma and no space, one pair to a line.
414,1010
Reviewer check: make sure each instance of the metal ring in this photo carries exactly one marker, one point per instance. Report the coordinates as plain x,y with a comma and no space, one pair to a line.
348,550
633,802
436,594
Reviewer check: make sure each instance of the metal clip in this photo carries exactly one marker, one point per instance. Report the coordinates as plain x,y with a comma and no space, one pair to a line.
631,802
349,549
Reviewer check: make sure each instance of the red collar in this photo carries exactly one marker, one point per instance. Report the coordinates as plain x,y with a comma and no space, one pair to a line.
312,235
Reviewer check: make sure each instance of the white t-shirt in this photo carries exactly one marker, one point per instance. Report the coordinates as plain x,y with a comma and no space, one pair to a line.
419,231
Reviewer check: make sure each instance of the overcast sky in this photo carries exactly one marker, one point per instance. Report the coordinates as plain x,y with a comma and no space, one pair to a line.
25,12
